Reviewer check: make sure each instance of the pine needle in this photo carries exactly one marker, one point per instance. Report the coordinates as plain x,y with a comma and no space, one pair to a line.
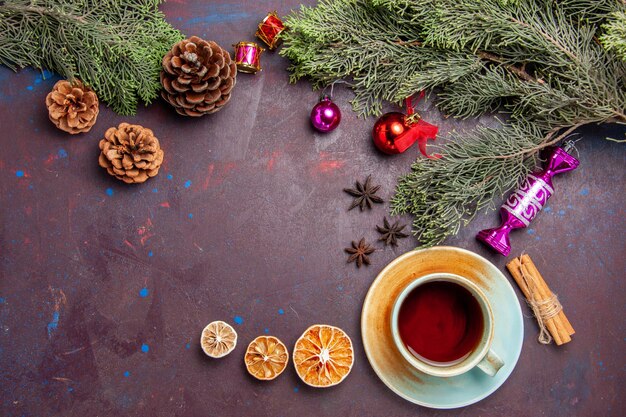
114,46
539,61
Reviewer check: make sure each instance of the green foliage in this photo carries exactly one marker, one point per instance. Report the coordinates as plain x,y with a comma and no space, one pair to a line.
114,46
537,60
614,37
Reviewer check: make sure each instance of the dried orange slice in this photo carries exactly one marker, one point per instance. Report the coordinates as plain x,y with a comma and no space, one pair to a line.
218,339
266,357
323,356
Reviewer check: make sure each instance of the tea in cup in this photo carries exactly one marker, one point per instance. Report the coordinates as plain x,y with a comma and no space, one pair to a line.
443,326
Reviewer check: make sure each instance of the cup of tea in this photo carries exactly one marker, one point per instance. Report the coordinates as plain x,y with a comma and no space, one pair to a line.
443,326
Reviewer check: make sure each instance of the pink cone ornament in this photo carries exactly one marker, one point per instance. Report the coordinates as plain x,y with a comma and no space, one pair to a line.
525,203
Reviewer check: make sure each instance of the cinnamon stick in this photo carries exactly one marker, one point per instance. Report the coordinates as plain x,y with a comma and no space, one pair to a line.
553,324
536,290
535,272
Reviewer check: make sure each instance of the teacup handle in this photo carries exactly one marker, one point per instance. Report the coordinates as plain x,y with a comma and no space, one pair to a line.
491,363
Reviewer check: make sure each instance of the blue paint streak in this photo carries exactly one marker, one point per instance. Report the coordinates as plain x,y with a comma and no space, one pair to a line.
561,212
30,88
150,254
2,300
531,231
70,389
187,183
155,190
188,346
266,330
52,326
295,389
584,191
340,287
62,153
145,348
238,319
170,176
19,173
281,311
143,293
547,209
126,374
216,18
190,215
109,191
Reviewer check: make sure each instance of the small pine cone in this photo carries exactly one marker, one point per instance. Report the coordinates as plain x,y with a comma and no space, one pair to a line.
197,77
130,153
72,107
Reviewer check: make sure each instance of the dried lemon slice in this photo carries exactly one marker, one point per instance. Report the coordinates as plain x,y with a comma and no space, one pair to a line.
266,357
218,339
323,356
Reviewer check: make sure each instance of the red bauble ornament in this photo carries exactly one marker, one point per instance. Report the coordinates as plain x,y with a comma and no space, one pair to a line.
394,134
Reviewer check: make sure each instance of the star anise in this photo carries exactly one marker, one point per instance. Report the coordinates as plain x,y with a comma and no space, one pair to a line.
364,194
391,234
358,252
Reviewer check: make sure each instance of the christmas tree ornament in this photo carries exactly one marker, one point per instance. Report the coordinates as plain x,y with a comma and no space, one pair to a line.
266,358
198,77
72,107
325,115
525,203
323,356
395,132
131,153
218,339
248,57
270,29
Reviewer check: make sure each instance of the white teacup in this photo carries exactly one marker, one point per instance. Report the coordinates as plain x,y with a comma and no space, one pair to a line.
481,356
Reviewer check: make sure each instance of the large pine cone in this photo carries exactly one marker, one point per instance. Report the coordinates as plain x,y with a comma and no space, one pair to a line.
72,107
197,76
130,153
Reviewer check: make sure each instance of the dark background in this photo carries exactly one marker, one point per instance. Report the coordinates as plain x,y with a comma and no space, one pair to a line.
246,222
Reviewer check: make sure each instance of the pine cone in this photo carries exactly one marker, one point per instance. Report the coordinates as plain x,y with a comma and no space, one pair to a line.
198,77
72,107
130,153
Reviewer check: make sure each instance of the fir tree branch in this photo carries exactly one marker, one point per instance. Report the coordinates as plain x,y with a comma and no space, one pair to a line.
537,60
114,46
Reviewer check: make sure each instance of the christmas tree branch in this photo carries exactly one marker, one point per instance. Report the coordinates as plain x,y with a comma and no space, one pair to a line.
114,46
537,60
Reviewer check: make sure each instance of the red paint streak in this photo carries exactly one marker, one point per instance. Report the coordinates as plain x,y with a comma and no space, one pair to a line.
28,210
329,166
145,232
273,157
51,158
216,175
165,204
127,243
145,238
207,180
27,241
